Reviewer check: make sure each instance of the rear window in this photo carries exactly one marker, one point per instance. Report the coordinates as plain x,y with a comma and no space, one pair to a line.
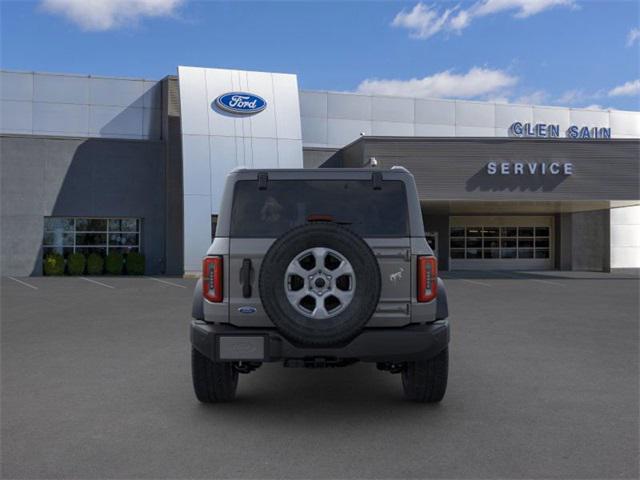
285,204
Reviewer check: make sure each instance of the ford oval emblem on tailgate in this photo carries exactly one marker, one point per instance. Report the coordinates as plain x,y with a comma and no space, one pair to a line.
240,103
247,310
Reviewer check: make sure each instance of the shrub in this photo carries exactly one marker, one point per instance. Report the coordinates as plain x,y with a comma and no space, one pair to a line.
76,263
113,263
53,264
95,264
135,263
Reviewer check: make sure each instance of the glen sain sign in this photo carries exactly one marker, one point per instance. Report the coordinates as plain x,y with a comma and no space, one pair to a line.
240,103
544,130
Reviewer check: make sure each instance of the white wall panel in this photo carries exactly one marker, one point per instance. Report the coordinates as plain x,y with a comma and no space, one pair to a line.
392,129
16,117
462,131
554,116
625,237
425,130
61,118
594,118
265,152
108,121
116,92
349,106
224,150
389,109
287,152
470,114
313,104
314,130
197,230
60,89
196,180
435,112
262,124
506,115
16,86
194,103
624,123
342,132
285,89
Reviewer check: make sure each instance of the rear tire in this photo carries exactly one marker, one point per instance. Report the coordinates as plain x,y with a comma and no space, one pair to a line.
425,381
213,382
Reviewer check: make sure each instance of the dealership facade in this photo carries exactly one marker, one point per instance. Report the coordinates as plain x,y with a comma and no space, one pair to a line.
97,164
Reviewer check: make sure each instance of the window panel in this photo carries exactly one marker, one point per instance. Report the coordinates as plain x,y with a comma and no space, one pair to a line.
91,239
88,250
508,253
542,242
123,250
525,231
509,231
123,225
474,253
542,231
457,253
91,225
119,239
491,242
525,243
474,231
58,237
58,223
491,253
457,243
491,231
474,242
509,243
457,231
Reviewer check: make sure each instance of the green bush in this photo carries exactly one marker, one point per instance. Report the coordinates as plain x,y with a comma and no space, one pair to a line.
113,263
54,264
76,263
95,264
135,263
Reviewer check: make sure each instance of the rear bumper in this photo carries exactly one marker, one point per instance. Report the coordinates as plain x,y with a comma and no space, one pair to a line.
228,343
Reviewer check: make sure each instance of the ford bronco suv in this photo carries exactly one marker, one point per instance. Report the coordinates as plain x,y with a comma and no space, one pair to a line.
320,268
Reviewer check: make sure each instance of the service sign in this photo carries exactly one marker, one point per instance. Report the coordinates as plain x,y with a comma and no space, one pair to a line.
240,103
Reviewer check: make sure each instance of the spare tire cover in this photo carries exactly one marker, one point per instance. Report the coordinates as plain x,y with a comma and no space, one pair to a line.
319,284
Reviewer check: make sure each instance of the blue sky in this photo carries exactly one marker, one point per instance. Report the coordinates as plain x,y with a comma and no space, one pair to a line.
558,52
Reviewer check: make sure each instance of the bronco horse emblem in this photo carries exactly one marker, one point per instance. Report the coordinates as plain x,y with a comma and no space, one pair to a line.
394,277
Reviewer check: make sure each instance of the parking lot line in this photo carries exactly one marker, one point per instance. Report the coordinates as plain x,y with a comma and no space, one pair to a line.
24,283
167,283
477,283
97,282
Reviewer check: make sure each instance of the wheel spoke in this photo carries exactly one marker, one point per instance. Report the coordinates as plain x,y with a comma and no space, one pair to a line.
343,269
296,269
294,296
344,296
319,254
320,311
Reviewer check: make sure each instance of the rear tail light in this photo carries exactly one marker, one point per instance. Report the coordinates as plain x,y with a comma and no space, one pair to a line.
212,279
427,278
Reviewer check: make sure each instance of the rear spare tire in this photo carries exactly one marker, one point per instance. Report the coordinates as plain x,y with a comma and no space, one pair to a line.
319,284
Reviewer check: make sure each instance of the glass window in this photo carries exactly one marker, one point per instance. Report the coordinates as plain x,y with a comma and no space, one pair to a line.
457,253
542,231
491,242
214,226
526,243
474,242
525,231
508,253
474,231
457,231
542,242
490,231
66,235
457,243
474,253
508,243
91,225
286,203
491,253
509,231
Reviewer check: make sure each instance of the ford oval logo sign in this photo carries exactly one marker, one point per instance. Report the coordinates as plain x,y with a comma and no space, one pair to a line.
247,310
240,103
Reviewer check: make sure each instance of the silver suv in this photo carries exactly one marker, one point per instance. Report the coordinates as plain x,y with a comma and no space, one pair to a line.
320,268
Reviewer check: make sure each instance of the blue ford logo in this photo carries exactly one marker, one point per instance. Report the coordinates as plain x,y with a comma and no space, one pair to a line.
241,103
247,310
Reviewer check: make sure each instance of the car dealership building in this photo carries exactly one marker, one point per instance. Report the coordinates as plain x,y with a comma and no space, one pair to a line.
118,164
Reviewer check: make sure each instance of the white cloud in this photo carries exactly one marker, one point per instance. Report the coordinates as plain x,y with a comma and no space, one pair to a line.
595,106
631,87
633,36
424,22
539,97
421,21
99,15
475,83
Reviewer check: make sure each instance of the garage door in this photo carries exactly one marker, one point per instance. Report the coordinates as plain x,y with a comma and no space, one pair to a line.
503,243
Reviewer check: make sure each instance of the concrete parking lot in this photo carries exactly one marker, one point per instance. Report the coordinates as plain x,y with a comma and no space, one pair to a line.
543,384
